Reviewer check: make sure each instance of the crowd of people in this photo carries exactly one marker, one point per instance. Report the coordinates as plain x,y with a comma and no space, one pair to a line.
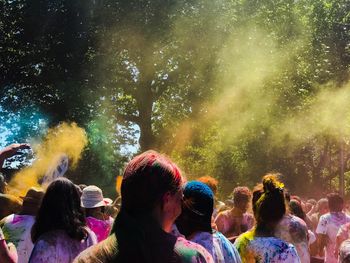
161,217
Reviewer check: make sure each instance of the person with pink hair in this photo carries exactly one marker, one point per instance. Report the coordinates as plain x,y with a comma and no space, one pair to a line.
151,192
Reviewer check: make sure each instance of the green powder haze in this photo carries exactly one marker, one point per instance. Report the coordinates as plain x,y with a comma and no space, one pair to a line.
239,88
270,111
232,89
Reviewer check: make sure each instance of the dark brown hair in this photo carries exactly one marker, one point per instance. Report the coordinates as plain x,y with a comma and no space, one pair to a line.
60,209
335,202
268,201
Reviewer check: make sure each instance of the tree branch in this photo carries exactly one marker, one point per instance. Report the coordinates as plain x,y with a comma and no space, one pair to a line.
127,117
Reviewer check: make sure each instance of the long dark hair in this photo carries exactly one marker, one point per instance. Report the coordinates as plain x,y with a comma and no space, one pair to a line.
146,179
60,209
268,201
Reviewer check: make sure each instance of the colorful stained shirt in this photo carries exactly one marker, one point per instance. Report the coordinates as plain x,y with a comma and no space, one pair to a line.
294,230
57,247
344,231
101,228
344,252
192,252
221,249
17,230
231,225
265,249
183,251
329,225
141,239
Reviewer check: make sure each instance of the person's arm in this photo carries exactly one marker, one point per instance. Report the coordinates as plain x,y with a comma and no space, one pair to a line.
338,242
342,235
10,151
8,252
321,234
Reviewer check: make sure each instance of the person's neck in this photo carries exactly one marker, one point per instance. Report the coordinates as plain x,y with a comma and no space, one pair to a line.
167,227
264,231
165,224
236,211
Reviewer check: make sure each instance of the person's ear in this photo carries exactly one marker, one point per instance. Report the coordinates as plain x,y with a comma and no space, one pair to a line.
166,199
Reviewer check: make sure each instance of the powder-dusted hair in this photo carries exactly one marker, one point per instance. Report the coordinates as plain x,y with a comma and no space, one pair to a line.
146,179
241,194
268,200
209,181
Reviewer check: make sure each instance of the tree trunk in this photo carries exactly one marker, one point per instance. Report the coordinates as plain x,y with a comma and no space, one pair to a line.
147,137
317,169
145,105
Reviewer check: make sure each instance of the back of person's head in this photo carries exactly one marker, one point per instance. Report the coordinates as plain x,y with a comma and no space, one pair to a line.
322,206
268,201
32,201
60,210
296,209
151,193
209,181
312,201
241,197
335,202
82,186
93,201
146,179
9,204
197,209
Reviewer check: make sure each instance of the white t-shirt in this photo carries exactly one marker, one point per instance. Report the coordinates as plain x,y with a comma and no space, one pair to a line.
329,225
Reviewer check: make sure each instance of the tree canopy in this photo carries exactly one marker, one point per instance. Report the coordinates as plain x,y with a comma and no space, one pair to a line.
233,89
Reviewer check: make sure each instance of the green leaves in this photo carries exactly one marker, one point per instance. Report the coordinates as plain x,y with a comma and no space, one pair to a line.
230,88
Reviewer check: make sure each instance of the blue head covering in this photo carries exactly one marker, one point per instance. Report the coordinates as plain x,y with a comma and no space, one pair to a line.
199,199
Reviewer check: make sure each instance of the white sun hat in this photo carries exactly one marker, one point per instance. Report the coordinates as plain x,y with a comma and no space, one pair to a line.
92,197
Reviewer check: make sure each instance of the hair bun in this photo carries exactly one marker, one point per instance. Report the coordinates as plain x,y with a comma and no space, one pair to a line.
271,184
